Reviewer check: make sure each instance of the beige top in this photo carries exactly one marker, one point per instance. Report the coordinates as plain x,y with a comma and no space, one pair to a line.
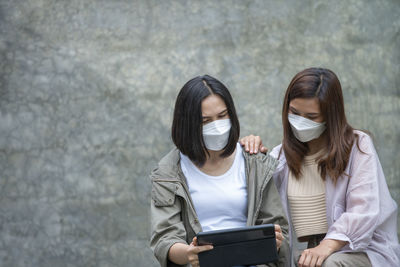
307,199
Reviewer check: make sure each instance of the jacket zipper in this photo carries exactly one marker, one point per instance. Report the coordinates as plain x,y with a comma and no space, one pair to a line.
260,201
257,211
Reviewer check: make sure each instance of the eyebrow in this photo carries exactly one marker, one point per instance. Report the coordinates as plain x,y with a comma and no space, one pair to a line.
295,110
222,112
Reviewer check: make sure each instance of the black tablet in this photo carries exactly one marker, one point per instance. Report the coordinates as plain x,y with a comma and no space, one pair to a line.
239,246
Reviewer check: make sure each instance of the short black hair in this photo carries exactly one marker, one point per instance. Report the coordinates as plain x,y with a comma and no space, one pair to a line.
187,125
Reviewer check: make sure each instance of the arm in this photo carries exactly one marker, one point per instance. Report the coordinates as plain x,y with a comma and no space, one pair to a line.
168,239
355,225
167,227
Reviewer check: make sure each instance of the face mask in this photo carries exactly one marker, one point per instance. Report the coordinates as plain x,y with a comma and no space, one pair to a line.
304,129
216,134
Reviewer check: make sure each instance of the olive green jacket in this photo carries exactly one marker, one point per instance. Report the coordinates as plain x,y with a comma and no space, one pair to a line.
174,219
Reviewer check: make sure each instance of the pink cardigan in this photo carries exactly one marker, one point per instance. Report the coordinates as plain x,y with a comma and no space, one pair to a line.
359,209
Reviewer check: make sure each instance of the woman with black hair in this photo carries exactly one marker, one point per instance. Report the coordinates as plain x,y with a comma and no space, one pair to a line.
330,179
207,182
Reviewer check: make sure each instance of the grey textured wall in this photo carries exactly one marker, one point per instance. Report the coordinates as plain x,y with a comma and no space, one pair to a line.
87,90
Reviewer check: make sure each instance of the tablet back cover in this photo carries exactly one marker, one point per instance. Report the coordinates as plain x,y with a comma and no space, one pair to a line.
241,246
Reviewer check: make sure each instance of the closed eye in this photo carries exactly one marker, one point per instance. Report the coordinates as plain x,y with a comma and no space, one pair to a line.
293,111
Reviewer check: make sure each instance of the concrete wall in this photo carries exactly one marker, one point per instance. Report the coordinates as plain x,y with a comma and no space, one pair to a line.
87,90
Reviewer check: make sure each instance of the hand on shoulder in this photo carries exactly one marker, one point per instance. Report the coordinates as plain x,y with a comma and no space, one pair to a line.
253,144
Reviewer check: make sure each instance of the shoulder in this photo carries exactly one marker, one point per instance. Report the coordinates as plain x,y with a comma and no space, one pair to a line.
260,160
278,153
167,166
247,157
172,157
276,150
363,157
363,143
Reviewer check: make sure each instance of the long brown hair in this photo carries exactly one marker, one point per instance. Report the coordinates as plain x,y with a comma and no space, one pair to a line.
324,85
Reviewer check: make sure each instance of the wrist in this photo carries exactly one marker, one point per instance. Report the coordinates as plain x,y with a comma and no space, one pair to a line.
333,245
178,253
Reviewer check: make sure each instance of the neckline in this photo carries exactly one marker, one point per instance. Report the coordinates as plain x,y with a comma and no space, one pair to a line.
311,159
238,152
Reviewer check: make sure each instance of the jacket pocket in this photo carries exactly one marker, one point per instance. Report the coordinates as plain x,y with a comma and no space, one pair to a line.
337,212
163,193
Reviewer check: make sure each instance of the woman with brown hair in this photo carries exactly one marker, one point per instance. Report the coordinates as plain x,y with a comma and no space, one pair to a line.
330,179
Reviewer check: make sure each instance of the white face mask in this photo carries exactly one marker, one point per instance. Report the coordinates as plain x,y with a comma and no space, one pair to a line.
304,129
216,134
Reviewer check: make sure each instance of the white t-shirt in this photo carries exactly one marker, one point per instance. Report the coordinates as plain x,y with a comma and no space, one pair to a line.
220,201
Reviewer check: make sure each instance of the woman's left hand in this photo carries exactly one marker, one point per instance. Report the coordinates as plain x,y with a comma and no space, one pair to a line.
316,256
278,235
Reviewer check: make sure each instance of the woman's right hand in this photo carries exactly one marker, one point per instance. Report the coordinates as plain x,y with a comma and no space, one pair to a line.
193,250
253,144
182,254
